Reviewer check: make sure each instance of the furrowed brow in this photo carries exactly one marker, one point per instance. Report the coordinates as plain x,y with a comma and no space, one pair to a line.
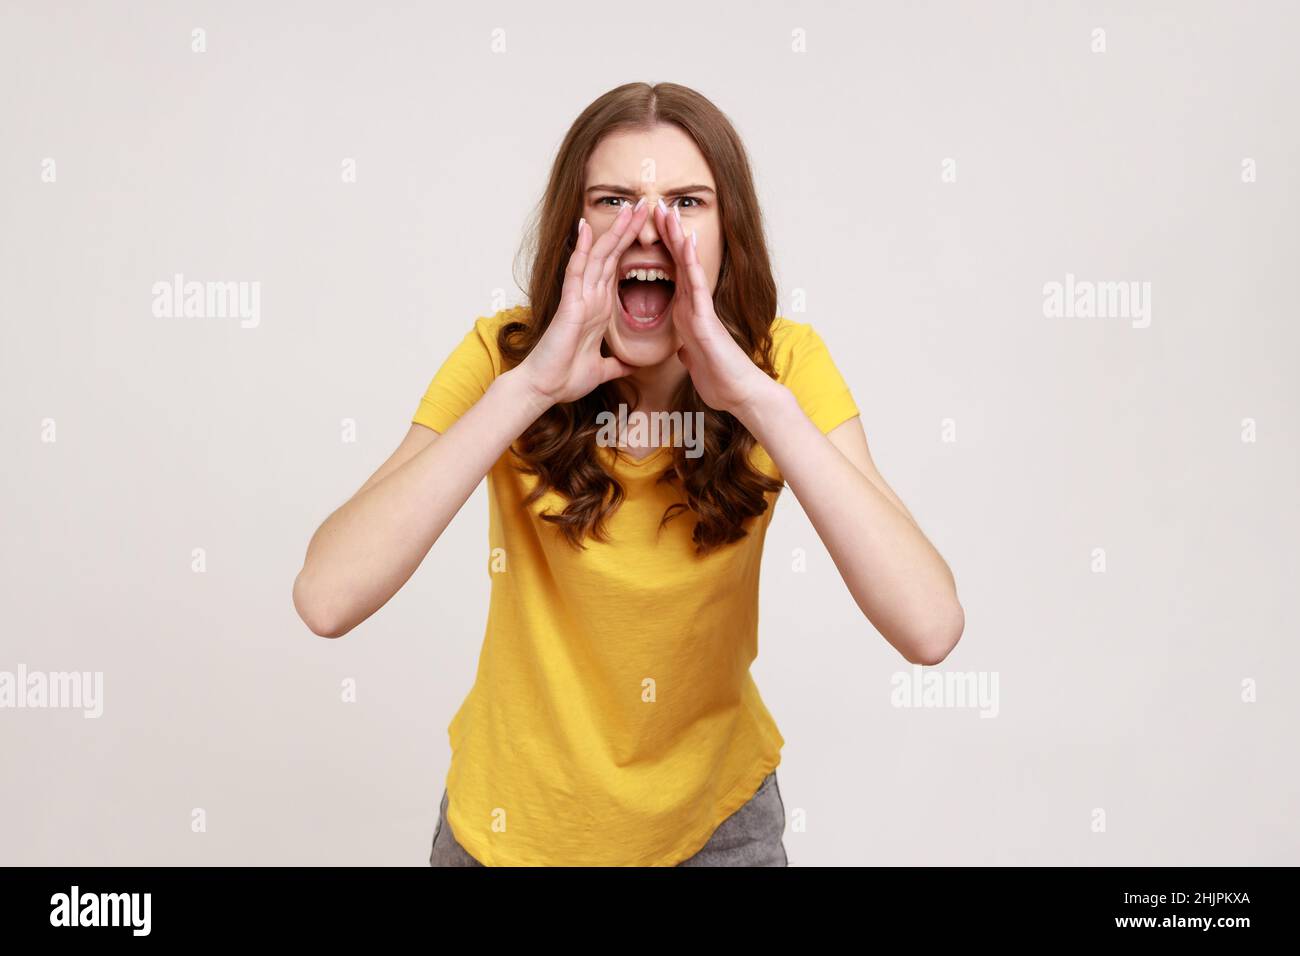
625,191
616,190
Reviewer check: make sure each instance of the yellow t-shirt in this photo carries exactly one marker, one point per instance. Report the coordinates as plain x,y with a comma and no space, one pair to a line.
613,720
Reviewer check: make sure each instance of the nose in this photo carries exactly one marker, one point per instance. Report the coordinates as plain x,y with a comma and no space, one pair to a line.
649,235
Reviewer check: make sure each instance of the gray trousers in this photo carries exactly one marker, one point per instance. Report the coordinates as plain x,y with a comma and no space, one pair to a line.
749,837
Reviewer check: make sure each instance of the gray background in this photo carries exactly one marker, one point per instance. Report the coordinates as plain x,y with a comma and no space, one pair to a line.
1119,691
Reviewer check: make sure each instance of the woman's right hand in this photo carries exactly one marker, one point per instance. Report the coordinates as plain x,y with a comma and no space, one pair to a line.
566,363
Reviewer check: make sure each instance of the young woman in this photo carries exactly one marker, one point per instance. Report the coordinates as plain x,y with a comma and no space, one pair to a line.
613,720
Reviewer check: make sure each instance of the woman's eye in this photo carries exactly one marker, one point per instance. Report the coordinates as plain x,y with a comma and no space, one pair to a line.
613,202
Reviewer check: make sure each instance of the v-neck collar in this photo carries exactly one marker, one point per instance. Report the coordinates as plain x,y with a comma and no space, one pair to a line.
627,462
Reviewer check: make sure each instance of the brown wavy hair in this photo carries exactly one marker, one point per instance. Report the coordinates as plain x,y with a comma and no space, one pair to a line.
721,486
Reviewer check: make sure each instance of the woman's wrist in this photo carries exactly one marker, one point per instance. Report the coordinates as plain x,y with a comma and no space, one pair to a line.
766,404
523,391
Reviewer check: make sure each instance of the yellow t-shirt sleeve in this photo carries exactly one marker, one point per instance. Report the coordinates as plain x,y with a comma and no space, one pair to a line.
804,365
463,377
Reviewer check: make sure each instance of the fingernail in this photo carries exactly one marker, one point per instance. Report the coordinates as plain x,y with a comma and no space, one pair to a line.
639,203
662,208
694,244
677,214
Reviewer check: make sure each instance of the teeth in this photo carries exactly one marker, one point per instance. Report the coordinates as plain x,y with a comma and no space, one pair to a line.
647,275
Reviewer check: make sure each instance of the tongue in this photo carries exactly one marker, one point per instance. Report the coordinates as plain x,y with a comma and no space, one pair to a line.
646,299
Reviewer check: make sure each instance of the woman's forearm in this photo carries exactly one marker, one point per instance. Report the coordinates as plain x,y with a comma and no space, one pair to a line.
898,579
366,550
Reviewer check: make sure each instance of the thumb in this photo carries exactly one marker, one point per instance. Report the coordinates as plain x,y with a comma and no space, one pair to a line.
683,357
611,368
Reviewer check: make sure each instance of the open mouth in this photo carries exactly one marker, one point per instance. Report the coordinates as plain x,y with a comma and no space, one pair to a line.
644,296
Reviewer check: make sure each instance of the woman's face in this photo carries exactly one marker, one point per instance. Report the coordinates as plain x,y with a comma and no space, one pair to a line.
660,163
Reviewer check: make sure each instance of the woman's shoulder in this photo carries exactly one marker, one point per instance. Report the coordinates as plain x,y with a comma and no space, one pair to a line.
467,371
489,326
792,341
485,332
803,364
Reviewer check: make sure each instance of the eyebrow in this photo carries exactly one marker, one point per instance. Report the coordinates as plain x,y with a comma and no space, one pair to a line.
624,191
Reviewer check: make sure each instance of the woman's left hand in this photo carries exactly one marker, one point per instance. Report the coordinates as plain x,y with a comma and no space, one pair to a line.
724,376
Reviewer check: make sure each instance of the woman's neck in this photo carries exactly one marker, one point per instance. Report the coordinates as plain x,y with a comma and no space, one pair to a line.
657,384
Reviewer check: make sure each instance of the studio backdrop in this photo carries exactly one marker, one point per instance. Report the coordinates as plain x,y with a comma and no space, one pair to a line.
1052,248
